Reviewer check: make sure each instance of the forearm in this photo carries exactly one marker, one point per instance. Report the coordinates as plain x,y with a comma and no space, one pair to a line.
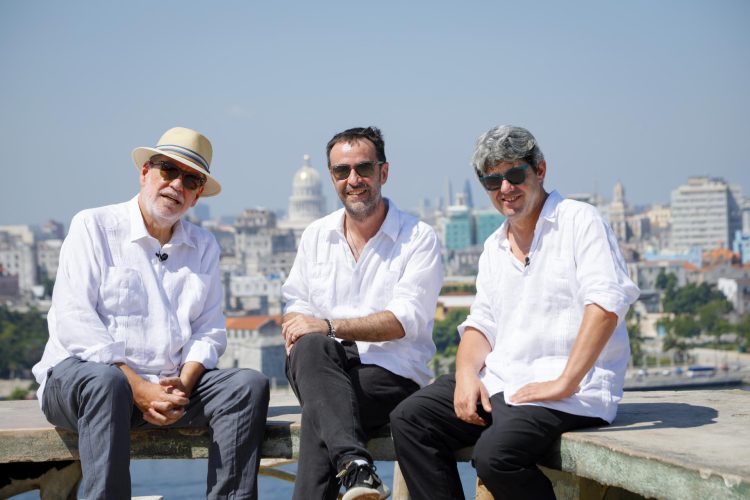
190,373
137,384
376,327
595,331
472,352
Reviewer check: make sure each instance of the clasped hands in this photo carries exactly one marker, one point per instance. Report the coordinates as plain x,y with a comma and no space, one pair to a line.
163,403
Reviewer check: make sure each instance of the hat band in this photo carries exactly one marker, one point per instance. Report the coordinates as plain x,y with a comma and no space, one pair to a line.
182,151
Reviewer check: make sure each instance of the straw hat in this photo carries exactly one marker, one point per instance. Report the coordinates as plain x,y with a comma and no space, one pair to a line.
187,147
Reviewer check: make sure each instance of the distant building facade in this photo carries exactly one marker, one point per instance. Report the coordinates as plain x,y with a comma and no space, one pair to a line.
256,342
706,213
17,258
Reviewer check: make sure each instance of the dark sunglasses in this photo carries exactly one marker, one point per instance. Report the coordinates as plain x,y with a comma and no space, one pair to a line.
170,172
364,169
515,175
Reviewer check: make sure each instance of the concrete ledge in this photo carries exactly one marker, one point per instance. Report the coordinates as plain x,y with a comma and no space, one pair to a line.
669,444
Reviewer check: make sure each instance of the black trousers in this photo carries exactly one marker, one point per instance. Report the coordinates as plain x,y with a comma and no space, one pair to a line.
342,401
427,432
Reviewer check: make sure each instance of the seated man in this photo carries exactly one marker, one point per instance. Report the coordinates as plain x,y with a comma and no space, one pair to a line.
136,328
544,349
360,303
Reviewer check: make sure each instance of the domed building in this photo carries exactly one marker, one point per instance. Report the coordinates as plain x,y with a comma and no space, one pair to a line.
307,202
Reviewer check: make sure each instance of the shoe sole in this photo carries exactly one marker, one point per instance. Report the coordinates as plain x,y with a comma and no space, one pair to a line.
361,493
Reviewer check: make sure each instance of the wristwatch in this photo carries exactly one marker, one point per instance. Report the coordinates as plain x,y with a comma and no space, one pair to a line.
331,329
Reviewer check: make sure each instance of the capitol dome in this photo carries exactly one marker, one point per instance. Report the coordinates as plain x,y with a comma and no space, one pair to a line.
306,177
307,202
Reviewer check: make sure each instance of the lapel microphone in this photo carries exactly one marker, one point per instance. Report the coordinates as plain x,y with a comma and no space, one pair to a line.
162,256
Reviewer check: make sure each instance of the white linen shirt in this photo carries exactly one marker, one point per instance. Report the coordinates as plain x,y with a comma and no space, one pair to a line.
115,301
531,314
400,270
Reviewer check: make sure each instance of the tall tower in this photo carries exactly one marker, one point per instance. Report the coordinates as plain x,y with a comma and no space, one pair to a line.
467,194
307,202
618,212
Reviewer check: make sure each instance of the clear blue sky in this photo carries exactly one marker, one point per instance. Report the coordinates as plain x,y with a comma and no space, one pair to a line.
641,91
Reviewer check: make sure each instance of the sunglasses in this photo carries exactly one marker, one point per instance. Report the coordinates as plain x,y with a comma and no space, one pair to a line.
170,172
515,175
364,169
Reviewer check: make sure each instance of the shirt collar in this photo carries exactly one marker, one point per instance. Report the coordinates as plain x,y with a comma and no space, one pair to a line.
389,227
549,210
549,213
138,227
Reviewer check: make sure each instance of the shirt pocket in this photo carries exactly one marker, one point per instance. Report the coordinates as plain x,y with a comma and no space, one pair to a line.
122,293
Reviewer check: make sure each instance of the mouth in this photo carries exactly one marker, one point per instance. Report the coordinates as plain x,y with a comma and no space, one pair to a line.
172,197
510,199
355,192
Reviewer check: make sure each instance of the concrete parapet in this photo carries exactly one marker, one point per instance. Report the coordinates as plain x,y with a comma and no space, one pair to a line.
665,444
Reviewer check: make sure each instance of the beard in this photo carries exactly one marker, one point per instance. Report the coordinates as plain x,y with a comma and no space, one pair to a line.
362,209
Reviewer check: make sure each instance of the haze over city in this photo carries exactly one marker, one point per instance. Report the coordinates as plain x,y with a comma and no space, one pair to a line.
641,92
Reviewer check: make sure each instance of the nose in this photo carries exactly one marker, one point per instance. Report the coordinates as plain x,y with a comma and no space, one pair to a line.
506,186
177,184
354,177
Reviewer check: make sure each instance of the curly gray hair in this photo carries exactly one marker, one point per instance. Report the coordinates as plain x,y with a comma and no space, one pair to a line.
505,143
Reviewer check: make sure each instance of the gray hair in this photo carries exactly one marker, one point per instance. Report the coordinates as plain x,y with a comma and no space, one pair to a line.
505,143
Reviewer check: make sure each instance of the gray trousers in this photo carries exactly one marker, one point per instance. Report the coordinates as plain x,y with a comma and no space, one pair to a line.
95,400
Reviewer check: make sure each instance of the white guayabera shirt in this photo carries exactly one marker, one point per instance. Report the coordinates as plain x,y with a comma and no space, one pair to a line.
116,301
400,270
531,314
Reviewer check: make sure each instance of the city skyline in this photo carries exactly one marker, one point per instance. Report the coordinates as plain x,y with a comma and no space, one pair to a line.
648,94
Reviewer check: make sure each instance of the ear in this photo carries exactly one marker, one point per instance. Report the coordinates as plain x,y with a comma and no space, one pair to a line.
541,170
197,195
144,172
383,173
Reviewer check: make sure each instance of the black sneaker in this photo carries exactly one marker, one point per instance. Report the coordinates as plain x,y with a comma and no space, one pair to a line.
362,483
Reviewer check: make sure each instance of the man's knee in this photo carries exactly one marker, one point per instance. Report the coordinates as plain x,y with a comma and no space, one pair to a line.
257,385
496,452
246,386
105,389
311,348
108,379
408,413
313,342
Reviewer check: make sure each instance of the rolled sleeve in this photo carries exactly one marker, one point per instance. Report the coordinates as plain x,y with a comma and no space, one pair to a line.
601,269
416,292
201,351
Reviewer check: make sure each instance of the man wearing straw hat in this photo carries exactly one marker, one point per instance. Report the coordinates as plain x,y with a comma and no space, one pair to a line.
136,328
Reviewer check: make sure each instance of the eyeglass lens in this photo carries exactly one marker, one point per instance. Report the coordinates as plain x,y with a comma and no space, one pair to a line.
364,169
515,175
170,172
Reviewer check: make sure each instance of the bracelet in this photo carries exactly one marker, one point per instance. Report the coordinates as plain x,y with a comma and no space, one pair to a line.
331,329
